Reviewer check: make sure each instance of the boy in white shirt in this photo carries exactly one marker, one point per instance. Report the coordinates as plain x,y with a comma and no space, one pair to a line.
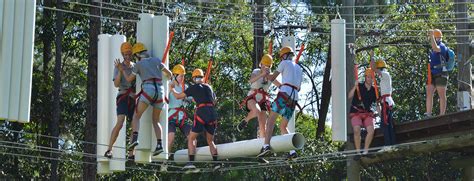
386,100
286,100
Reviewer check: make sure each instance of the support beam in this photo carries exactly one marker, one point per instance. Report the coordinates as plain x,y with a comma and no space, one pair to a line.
428,146
464,95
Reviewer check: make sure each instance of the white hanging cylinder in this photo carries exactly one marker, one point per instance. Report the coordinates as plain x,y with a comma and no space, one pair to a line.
464,100
103,168
103,61
6,56
145,36
338,76
18,27
291,42
160,37
246,148
118,163
27,63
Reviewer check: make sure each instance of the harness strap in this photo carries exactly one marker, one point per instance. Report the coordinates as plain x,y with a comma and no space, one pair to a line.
292,86
198,118
264,100
289,102
384,108
176,114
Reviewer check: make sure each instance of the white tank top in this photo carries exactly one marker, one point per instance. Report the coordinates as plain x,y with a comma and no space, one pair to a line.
259,84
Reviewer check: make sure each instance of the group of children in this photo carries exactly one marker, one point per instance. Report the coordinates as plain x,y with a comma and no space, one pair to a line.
364,95
151,71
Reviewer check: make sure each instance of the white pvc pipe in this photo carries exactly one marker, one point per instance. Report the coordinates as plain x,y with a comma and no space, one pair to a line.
145,36
27,64
6,56
103,134
246,148
17,48
118,164
1,21
103,168
291,42
338,76
160,37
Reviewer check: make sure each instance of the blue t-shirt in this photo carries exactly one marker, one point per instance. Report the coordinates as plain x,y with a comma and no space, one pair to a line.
435,58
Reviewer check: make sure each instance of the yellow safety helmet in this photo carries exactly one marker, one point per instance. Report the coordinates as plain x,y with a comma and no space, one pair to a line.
198,73
368,72
138,47
125,47
380,64
286,50
437,33
179,70
267,60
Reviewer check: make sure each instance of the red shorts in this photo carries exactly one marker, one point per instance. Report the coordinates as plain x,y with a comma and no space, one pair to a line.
362,119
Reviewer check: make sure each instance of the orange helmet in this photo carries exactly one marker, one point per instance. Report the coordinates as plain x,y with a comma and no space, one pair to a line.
125,47
286,50
368,72
198,73
138,47
437,33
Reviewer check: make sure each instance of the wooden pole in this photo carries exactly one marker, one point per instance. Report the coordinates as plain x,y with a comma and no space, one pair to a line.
464,97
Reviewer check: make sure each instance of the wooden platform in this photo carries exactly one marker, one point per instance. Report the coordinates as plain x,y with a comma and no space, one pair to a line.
449,125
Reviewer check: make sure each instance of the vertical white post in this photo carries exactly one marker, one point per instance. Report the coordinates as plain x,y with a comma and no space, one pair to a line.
338,76
6,56
17,48
27,63
103,168
291,42
103,134
1,21
145,36
160,37
118,163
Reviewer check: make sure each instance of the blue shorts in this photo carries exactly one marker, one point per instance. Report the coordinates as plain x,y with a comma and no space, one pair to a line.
284,106
208,116
153,92
125,106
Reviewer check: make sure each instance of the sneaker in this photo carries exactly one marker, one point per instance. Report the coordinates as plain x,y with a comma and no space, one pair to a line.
131,158
242,125
427,115
264,151
292,156
158,150
216,166
108,154
133,143
189,165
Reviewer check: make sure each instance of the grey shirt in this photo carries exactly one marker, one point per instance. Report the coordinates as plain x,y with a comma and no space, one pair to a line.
148,68
124,84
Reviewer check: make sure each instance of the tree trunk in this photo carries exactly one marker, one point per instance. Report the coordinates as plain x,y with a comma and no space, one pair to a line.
353,167
463,55
90,133
258,39
46,38
56,114
325,97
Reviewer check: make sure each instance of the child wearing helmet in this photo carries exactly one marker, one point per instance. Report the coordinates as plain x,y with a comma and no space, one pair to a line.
178,117
439,74
286,100
151,71
361,112
257,101
205,116
386,101
125,100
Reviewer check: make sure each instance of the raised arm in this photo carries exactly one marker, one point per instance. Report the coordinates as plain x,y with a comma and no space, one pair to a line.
432,39
351,92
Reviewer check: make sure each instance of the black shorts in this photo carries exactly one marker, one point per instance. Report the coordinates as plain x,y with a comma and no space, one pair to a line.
208,116
440,80
126,106
185,127
263,105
